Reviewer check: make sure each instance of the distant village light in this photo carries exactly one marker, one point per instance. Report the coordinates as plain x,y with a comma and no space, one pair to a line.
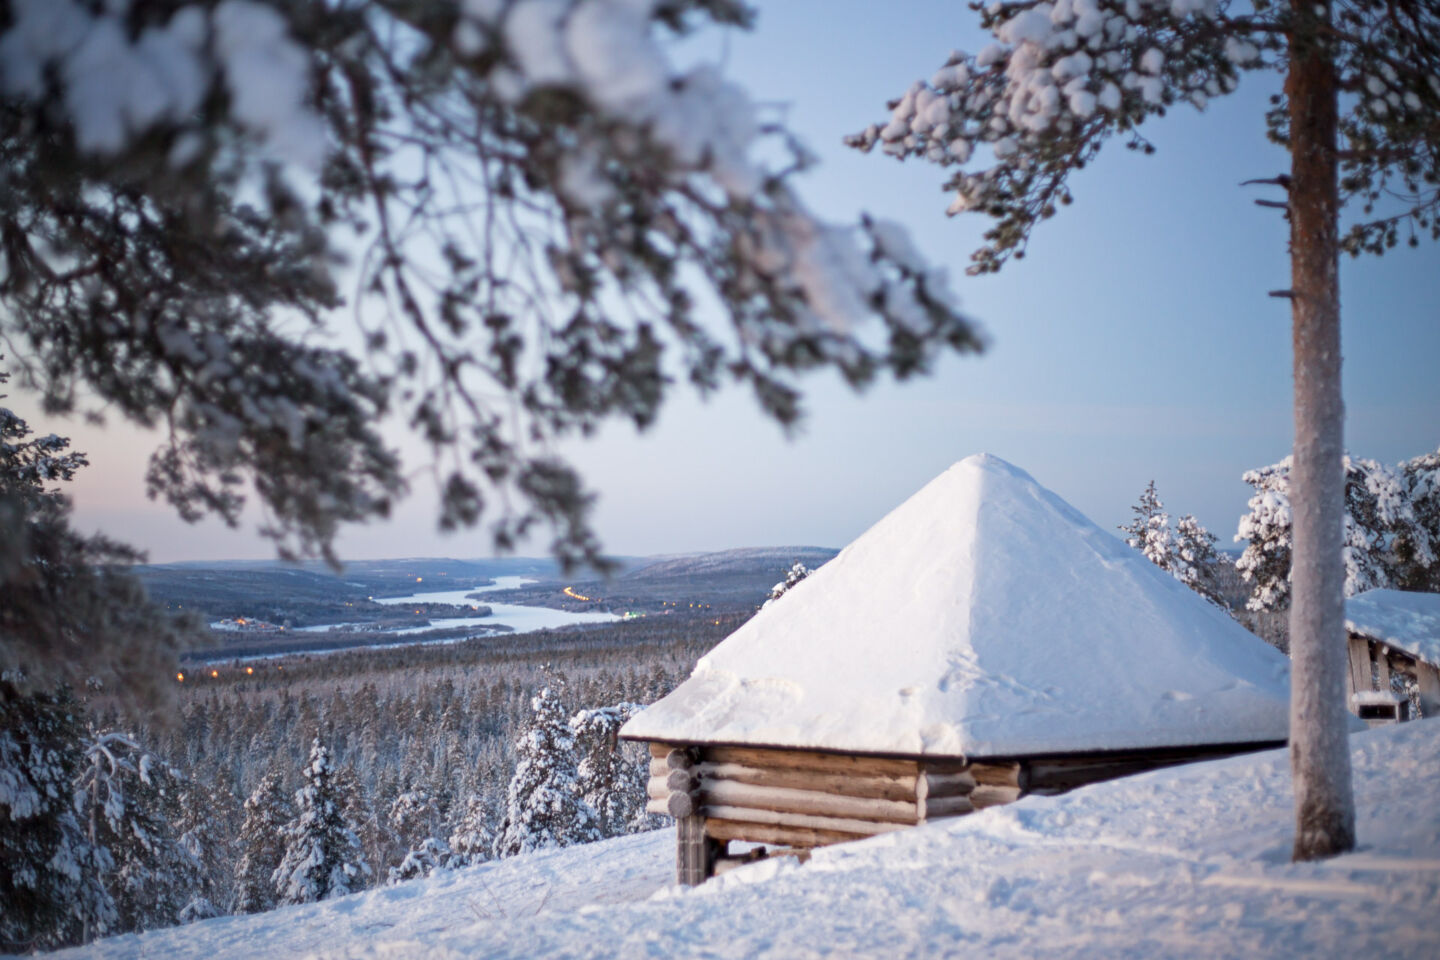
249,669
180,677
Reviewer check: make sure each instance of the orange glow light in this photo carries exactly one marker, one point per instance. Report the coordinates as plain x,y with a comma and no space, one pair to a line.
249,669
214,673
180,677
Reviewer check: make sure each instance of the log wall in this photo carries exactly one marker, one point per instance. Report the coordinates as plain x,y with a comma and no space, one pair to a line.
798,800
802,799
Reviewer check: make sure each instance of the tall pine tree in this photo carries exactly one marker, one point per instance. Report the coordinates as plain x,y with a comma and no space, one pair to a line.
1064,76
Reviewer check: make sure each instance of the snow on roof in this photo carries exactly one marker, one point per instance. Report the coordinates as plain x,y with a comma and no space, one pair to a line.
1398,618
984,616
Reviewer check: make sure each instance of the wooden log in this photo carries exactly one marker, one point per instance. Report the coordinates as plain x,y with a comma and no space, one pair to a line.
682,781
892,787
948,784
858,828
656,789
947,807
659,768
772,759
679,759
658,750
997,774
810,802
680,806
986,795
657,806
780,836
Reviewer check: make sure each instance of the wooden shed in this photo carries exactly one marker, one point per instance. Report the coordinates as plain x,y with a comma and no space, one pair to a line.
982,642
1394,652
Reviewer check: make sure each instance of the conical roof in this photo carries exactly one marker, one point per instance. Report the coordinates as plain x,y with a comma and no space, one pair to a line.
983,617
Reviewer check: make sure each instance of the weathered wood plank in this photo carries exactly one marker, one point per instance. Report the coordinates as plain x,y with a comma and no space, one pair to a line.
893,787
811,802
810,760
1382,668
780,836
1360,676
1427,678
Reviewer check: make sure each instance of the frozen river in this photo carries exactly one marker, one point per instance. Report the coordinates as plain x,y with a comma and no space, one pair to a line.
521,619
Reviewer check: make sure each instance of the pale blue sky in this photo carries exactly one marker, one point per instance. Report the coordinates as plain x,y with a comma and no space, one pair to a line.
1134,342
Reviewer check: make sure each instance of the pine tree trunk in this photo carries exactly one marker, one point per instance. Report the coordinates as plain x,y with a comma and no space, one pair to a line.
1319,749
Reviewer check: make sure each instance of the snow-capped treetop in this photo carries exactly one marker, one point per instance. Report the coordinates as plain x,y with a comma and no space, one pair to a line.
797,572
982,617
1063,75
1401,619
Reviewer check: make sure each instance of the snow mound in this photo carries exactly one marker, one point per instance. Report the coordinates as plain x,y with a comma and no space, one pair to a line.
1398,618
983,617
1188,862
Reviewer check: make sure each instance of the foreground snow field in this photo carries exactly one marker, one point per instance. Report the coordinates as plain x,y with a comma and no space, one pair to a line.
1190,862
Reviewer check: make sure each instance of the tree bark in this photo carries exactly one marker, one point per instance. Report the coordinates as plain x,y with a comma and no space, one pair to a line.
1319,749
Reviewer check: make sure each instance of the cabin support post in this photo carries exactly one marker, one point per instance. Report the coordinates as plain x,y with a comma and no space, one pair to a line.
694,852
1427,678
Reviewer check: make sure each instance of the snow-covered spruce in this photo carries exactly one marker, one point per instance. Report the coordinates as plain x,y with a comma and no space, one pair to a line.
1417,549
472,841
797,572
544,806
127,800
51,890
1186,551
322,854
611,776
1378,512
422,860
262,843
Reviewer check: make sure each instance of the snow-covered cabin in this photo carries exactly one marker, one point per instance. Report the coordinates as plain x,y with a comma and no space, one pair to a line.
1394,634
983,641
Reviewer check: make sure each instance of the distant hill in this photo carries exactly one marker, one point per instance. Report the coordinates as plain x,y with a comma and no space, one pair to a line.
769,561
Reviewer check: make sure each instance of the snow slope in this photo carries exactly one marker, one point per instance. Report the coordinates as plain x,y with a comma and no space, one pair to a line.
984,616
1186,862
1404,620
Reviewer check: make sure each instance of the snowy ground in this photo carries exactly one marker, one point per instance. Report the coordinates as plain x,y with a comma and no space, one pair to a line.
1183,863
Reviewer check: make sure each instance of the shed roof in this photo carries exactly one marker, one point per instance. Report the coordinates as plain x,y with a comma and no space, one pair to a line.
983,617
1398,618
